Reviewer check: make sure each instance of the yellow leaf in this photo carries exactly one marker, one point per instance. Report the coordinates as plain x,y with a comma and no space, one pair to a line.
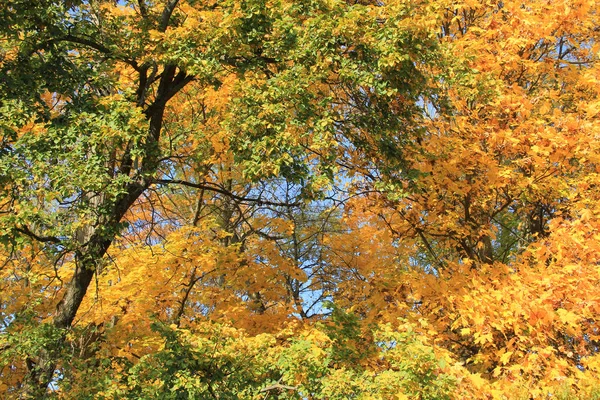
478,381
505,358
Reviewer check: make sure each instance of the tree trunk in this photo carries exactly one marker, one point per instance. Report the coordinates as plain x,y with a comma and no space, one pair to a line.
95,242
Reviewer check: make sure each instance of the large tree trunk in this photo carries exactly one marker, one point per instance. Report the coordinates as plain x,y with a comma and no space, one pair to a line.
96,239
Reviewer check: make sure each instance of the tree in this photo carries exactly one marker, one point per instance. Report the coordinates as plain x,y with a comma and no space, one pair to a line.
107,101
496,182
319,199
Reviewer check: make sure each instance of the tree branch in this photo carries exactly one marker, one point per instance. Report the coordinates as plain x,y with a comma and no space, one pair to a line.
45,239
96,46
278,386
143,8
166,15
218,189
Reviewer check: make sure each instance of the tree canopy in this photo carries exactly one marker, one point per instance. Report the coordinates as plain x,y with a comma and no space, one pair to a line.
316,199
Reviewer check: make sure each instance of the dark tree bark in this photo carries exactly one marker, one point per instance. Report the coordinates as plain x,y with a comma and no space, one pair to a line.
95,240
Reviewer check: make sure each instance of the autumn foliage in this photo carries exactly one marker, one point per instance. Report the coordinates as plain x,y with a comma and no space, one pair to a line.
257,199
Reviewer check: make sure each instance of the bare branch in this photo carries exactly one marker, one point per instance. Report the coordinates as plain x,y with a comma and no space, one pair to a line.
219,189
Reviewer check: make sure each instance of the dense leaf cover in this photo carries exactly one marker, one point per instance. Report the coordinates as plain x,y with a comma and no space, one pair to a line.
320,199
